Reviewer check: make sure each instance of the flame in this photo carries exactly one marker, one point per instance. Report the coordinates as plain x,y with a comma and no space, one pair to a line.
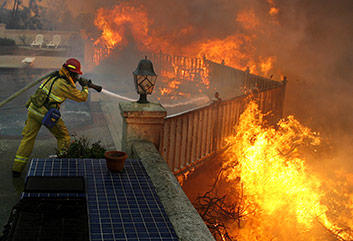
126,20
232,51
273,11
115,23
129,21
177,77
267,64
165,91
248,19
278,187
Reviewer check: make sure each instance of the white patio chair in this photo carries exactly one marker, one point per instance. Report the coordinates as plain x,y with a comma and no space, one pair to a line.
38,41
55,42
28,60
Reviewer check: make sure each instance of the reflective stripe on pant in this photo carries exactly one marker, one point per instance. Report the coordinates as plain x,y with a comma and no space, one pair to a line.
30,132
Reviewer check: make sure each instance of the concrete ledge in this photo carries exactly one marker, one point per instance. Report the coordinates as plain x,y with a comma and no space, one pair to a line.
186,221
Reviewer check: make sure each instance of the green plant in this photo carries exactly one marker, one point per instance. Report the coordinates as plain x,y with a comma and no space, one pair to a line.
81,148
7,42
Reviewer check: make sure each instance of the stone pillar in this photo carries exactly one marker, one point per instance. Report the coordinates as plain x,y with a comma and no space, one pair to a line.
141,122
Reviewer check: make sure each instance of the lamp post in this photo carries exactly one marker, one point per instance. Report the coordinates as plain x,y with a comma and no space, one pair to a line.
144,79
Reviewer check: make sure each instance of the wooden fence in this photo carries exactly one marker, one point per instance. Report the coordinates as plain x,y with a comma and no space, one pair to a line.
190,137
182,66
228,81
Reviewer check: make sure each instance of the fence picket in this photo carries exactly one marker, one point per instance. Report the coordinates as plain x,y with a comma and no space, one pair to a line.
189,137
183,143
199,134
203,133
194,136
172,143
164,140
223,128
228,116
178,143
168,137
208,131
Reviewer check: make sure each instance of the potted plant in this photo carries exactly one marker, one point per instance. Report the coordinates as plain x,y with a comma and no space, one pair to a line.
81,148
115,160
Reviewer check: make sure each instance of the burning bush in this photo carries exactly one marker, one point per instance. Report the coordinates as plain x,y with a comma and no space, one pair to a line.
266,191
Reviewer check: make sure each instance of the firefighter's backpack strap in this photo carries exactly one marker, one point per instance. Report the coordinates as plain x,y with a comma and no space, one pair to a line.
40,96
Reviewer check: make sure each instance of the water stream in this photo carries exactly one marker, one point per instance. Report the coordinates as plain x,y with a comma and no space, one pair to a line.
197,100
107,92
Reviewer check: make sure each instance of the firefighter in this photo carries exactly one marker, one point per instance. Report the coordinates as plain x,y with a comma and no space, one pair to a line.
47,100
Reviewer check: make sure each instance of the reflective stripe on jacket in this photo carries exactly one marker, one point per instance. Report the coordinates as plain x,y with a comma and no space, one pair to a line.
60,91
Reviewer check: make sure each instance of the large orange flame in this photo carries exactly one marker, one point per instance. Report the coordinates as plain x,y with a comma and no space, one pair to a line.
115,23
126,20
281,192
129,21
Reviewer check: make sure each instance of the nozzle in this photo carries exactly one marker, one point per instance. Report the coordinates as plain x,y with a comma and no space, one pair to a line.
89,83
96,87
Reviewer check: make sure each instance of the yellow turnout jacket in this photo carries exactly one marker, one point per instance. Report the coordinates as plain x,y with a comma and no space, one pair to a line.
63,88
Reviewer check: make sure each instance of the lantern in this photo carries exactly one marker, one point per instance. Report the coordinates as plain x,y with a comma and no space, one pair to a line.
145,79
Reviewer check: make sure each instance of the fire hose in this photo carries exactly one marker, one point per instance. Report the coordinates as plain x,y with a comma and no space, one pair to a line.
89,83
30,85
35,82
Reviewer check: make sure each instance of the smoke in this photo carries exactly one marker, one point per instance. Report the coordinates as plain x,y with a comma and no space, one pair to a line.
317,55
310,40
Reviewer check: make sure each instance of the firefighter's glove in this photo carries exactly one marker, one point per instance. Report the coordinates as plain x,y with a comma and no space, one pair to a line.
84,82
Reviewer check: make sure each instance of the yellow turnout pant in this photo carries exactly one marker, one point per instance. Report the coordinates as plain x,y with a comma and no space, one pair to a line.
29,133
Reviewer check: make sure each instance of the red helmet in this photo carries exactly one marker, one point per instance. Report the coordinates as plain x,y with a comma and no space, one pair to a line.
73,65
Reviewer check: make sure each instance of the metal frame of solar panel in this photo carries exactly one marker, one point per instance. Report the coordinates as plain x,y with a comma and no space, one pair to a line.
54,219
121,206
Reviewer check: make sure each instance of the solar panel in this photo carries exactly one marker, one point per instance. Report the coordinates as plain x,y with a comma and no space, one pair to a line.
121,206
56,184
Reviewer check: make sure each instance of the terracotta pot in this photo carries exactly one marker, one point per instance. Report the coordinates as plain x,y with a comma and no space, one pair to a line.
115,160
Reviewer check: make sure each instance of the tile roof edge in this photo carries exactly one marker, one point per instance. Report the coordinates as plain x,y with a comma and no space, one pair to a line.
186,221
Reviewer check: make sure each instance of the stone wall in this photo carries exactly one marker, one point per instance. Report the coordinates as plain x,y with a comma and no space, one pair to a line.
186,221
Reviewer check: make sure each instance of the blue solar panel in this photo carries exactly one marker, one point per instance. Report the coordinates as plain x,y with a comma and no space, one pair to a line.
121,206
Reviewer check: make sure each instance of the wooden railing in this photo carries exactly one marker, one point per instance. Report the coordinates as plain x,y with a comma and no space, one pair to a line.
190,137
182,66
215,77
